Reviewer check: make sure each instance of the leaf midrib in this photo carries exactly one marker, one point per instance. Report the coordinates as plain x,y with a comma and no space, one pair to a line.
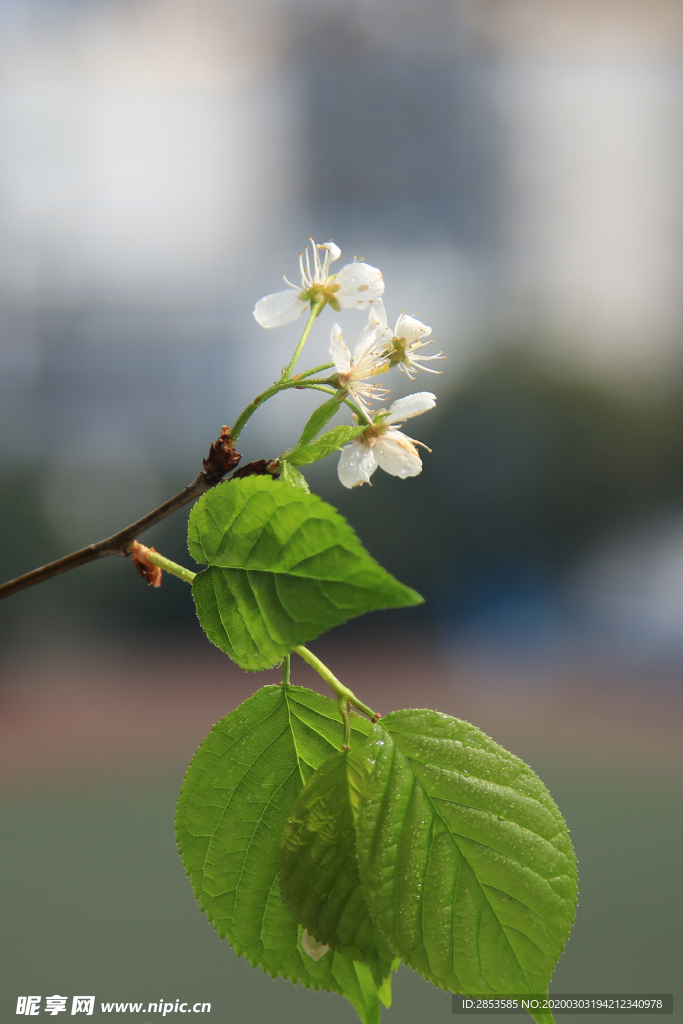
455,837
476,807
299,760
304,575
550,808
223,532
291,729
466,860
212,835
203,771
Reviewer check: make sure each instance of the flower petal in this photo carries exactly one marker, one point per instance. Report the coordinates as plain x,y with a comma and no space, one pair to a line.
279,309
378,313
316,950
367,341
339,351
357,463
359,285
410,329
411,405
398,456
333,250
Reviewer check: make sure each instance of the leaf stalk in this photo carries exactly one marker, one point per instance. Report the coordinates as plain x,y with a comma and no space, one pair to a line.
168,566
342,692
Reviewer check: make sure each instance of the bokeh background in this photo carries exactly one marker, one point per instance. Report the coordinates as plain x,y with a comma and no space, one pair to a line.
515,167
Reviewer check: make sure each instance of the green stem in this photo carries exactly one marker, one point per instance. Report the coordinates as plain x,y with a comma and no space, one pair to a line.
286,669
316,369
282,385
347,401
316,307
342,692
344,711
168,566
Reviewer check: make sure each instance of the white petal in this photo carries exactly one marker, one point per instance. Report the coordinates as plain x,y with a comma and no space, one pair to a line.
279,309
359,285
334,251
396,455
339,351
410,329
316,950
367,340
357,463
411,405
378,313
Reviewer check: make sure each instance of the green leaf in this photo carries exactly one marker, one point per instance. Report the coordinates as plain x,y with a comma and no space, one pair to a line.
319,875
319,419
290,475
284,567
331,441
465,860
237,794
358,986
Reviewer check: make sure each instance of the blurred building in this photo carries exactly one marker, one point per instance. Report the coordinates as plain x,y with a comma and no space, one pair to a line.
161,160
542,142
514,166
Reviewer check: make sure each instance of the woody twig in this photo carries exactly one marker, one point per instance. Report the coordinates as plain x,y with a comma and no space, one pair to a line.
221,460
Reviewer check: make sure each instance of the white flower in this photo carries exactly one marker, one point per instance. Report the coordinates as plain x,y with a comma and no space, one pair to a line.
382,444
316,950
408,337
367,361
356,286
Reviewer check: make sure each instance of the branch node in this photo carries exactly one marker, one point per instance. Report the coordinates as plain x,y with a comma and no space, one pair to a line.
261,467
222,457
147,569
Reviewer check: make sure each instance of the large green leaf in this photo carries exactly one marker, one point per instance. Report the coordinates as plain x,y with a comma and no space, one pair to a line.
465,860
319,875
331,441
284,567
237,794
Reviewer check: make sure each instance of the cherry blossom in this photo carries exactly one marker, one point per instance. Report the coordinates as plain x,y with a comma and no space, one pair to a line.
367,361
403,344
356,286
383,444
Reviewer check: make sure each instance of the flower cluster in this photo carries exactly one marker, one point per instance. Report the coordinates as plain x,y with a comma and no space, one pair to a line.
377,349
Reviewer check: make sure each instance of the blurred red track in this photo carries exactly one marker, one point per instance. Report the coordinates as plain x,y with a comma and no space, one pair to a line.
89,716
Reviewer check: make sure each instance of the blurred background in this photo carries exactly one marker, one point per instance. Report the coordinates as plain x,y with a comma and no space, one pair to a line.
515,168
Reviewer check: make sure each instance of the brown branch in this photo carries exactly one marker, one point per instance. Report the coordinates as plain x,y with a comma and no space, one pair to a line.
222,458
